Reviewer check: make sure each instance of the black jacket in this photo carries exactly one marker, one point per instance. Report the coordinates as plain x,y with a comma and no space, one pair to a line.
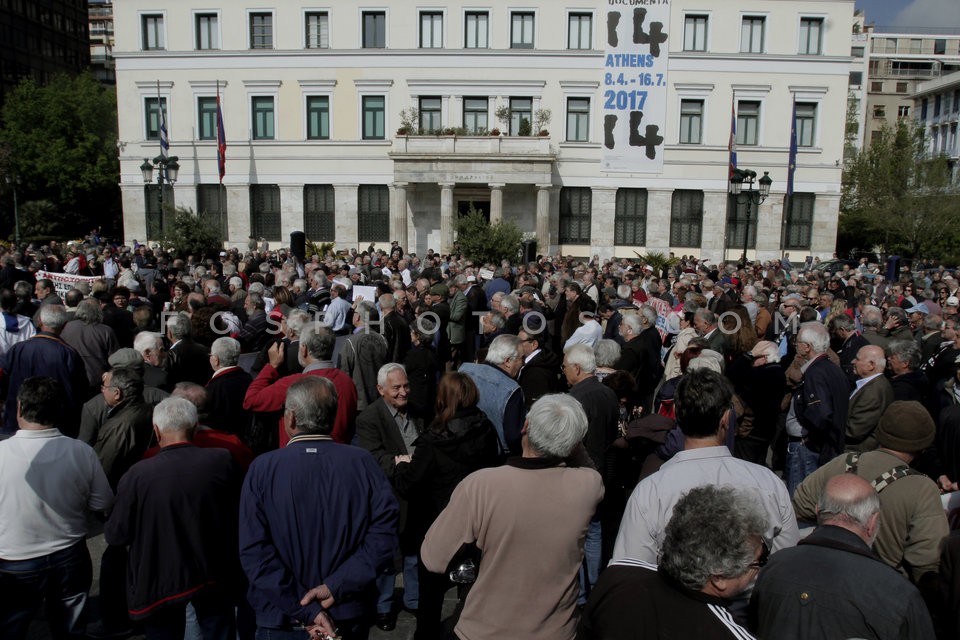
540,376
225,410
188,360
602,407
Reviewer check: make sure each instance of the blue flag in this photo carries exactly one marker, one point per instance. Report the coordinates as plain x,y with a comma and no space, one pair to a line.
792,162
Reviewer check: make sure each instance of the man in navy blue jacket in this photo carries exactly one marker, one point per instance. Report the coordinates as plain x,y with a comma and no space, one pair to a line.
317,521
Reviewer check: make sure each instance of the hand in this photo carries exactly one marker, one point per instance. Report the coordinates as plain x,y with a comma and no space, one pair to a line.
322,627
358,299
322,595
947,485
399,459
276,355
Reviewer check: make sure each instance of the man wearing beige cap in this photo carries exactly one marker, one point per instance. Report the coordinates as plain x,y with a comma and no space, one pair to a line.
950,307
913,519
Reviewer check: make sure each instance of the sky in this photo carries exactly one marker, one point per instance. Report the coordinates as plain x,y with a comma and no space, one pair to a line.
906,14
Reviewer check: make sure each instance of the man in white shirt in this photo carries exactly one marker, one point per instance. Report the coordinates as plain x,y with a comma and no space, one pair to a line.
49,484
703,410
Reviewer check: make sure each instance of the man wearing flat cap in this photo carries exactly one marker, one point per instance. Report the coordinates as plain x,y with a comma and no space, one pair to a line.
912,514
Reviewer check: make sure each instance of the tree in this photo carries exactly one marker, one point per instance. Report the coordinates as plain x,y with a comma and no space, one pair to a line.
483,242
190,234
60,141
899,198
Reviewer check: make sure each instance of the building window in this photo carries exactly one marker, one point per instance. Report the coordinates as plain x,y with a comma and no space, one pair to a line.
580,31
430,110
691,121
901,87
748,122
261,31
578,119
686,218
521,116
923,109
157,224
937,102
262,108
373,213
695,33
856,52
856,78
208,31
903,111
317,26
475,115
374,29
737,223
318,117
153,36
630,219
811,36
431,30
374,117
799,220
265,211
876,86
521,30
206,118
956,101
476,30
152,119
575,208
806,124
751,34
939,47
318,212
212,206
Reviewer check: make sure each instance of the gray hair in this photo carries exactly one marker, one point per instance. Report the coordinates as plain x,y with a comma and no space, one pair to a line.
256,299
146,340
649,314
502,348
178,325
607,352
816,335
175,414
871,316
386,370
54,316
497,320
624,292
191,391
318,340
367,312
556,423
726,522
706,315
127,380
227,351
387,301
582,356
296,320
89,311
841,322
858,510
510,304
932,322
907,350
632,321
313,402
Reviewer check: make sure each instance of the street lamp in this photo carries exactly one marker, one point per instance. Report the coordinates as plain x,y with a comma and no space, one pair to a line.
748,177
13,181
167,170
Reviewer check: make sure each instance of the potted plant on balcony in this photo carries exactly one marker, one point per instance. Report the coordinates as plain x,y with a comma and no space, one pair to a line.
503,114
541,118
409,122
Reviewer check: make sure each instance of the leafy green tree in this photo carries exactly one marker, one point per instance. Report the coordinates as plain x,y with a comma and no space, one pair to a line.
42,220
60,140
899,198
483,242
190,234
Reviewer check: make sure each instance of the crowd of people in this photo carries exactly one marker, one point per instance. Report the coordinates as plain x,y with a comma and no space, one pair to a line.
282,446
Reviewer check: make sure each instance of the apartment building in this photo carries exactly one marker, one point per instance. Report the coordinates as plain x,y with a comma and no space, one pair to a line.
363,123
936,107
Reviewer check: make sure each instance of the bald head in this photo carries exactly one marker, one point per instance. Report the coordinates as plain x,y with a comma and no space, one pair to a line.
850,502
870,361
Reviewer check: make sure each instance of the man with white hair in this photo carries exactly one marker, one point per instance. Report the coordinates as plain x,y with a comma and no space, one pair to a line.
640,354
501,397
227,386
190,558
528,518
817,417
150,346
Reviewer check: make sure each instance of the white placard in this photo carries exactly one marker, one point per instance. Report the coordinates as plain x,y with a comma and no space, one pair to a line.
634,80
368,293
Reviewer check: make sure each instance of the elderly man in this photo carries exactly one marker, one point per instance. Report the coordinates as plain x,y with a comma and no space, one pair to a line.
640,353
45,354
869,400
833,585
501,397
227,386
189,558
310,560
913,519
759,382
151,348
817,416
363,353
529,519
848,342
908,381
91,339
871,318
713,547
703,409
49,486
705,322
337,315
186,359
46,293
540,374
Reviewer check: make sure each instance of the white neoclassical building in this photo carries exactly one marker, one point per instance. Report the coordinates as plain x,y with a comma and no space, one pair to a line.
641,96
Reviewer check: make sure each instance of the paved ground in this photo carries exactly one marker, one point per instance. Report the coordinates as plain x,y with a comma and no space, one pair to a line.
406,624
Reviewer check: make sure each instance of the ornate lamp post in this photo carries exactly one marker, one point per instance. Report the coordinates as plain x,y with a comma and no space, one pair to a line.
168,170
750,197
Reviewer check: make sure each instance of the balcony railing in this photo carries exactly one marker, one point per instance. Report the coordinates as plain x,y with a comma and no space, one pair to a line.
479,145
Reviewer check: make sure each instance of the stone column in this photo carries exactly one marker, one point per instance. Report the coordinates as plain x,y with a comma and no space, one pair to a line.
446,217
398,214
603,201
496,202
237,208
543,218
291,210
345,199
